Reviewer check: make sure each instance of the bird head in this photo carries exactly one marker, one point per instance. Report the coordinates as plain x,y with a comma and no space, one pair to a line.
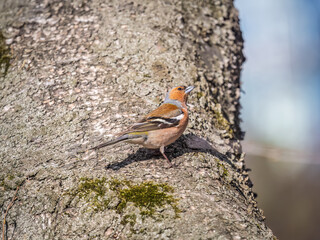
179,93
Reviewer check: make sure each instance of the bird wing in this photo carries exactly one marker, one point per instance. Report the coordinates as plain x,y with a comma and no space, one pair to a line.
166,110
167,115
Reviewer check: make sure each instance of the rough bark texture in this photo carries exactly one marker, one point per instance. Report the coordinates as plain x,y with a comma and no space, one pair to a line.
82,70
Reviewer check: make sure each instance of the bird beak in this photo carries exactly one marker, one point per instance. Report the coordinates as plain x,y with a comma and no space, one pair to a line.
189,89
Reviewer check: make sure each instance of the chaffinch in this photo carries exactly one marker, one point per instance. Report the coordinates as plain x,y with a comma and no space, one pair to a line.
160,127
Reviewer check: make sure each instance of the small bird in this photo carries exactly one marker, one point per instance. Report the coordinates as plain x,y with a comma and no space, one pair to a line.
160,127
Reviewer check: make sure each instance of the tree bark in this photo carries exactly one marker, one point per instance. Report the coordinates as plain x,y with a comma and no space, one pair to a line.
81,71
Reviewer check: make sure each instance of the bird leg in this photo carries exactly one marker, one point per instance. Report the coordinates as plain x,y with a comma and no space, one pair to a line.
162,152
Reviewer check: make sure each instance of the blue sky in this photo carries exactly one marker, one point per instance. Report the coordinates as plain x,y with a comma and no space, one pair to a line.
281,76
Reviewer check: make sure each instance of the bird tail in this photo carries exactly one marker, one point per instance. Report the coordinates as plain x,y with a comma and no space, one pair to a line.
114,141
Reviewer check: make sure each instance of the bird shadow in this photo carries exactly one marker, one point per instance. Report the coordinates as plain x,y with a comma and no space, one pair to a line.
186,144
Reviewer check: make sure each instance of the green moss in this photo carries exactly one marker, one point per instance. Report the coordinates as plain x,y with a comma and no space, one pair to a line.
221,122
10,177
222,169
4,56
146,196
93,191
225,172
129,218
258,225
147,75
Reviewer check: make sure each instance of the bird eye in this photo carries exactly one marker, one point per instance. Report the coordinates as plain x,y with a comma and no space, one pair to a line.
179,88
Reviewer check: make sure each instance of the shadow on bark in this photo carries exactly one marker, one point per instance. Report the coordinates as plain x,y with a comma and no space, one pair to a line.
189,143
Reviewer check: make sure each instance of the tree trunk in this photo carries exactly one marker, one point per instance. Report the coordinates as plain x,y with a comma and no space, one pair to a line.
81,71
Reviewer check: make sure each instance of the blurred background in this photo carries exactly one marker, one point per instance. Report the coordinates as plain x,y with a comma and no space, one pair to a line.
281,111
